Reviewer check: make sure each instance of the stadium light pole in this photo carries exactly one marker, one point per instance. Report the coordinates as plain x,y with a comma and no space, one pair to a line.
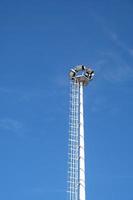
80,76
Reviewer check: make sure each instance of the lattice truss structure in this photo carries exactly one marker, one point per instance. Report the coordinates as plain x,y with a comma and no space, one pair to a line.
73,154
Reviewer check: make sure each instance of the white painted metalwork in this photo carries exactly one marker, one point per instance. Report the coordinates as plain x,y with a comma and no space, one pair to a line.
73,165
76,155
81,149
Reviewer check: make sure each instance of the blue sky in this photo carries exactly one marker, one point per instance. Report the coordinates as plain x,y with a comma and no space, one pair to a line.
39,42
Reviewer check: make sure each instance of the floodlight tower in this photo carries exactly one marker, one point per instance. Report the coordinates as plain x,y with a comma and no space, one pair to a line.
80,76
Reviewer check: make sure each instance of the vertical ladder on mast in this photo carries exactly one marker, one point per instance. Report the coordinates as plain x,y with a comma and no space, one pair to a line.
73,157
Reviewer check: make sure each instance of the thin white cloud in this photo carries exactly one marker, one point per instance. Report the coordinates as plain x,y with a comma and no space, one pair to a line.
26,94
114,68
11,126
112,35
112,65
120,43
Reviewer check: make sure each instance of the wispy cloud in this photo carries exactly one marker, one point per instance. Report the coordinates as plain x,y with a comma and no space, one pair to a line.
111,34
11,126
113,65
25,94
114,37
114,68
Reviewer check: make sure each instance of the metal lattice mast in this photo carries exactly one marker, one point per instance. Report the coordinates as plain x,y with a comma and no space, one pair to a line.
80,76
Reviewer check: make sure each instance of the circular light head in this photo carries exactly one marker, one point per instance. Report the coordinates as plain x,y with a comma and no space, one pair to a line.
82,74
